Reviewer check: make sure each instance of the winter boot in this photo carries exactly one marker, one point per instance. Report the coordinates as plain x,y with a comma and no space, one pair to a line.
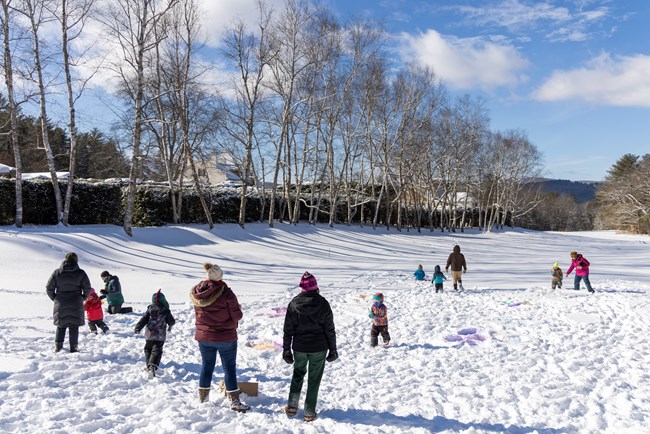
455,287
104,329
204,394
374,340
58,346
74,348
290,410
151,371
236,404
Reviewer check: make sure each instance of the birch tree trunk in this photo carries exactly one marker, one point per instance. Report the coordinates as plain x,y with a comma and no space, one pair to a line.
34,10
13,109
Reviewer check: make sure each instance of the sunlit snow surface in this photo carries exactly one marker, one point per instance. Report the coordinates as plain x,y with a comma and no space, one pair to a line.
507,354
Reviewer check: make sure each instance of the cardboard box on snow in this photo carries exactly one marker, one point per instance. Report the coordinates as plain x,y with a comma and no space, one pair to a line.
248,388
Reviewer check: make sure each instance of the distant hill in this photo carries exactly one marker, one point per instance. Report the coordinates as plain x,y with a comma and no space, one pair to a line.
583,191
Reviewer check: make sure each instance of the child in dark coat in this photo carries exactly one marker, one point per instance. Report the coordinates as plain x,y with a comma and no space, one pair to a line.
93,307
157,321
438,278
379,315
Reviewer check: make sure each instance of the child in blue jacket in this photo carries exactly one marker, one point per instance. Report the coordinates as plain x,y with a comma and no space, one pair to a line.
438,278
419,273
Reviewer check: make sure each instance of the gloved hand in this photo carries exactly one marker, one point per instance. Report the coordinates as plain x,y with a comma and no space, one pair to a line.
137,331
333,355
169,328
464,271
287,356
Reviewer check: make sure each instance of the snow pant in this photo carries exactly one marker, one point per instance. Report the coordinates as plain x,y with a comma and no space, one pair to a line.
456,278
228,354
117,308
92,325
375,331
73,335
576,282
438,287
153,352
314,363
556,283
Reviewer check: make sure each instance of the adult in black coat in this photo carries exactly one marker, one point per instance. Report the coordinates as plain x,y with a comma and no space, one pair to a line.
309,331
68,287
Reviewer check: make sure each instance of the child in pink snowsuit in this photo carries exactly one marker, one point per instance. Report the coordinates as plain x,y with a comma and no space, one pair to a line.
581,265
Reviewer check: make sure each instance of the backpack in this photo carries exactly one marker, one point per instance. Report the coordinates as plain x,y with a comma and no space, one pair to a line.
156,329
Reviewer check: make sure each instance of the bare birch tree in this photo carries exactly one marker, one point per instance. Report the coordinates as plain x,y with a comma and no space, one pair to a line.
132,24
73,16
250,52
7,62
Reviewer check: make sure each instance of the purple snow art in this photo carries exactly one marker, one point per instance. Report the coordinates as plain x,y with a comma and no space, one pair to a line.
469,336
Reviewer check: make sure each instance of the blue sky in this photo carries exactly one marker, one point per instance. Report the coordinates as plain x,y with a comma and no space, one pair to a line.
575,75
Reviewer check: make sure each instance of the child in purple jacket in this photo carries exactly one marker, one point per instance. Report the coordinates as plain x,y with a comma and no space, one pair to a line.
379,315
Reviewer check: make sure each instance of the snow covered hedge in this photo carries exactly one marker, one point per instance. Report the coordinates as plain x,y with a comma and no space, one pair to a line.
102,202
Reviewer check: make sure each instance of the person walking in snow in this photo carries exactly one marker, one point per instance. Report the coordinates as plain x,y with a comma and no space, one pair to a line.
556,280
157,321
94,312
309,331
217,313
458,266
68,287
419,273
379,315
581,265
112,292
438,278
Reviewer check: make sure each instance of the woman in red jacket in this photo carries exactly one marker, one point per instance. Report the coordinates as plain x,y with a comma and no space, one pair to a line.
217,315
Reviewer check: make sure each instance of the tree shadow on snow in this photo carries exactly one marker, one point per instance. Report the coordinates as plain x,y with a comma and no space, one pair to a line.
437,424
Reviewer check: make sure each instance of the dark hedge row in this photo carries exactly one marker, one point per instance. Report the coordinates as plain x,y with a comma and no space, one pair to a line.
104,202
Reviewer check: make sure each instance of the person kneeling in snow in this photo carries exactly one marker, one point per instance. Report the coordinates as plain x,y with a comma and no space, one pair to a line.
157,321
379,315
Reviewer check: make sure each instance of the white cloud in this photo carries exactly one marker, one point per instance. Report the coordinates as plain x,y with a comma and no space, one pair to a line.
558,23
467,63
218,14
619,81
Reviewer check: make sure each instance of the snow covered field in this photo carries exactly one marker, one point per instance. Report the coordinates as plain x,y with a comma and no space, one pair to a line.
535,360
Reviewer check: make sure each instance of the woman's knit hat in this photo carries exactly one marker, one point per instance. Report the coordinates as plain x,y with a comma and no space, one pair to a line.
556,265
378,297
213,272
308,282
71,257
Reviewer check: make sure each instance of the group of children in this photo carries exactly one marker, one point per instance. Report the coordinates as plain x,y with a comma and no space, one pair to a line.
156,322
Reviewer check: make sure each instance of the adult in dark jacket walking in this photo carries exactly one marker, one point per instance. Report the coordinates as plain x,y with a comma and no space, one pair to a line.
458,266
309,331
217,312
68,287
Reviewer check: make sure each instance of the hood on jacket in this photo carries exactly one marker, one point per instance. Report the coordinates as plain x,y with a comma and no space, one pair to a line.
437,269
308,303
456,248
206,292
